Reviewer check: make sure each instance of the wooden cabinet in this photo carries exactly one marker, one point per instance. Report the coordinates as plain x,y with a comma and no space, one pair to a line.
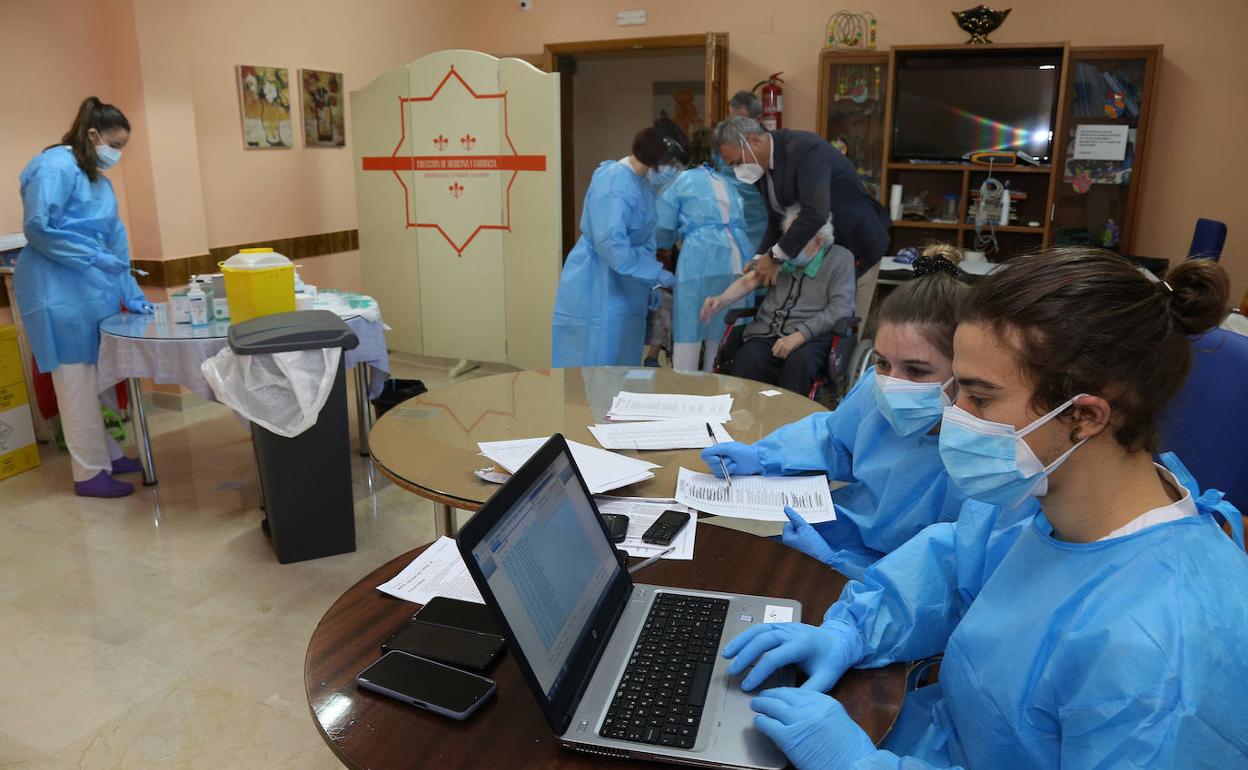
1094,200
853,90
1069,202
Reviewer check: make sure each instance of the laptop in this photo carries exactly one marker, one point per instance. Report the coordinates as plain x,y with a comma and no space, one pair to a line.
618,668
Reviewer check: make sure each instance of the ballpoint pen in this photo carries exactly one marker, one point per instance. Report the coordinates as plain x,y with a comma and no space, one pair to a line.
722,465
651,560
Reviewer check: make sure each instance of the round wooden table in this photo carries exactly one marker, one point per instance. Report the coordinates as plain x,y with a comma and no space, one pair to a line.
428,444
367,730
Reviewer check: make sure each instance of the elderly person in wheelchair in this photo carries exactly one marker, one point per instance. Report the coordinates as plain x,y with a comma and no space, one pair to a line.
791,336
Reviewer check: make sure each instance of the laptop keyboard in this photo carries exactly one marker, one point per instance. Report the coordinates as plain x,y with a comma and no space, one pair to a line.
663,690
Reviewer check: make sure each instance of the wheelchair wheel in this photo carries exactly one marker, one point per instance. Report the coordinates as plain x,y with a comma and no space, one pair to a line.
860,361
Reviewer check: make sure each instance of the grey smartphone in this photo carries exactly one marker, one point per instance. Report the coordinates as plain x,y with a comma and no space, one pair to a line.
454,646
427,684
666,527
616,524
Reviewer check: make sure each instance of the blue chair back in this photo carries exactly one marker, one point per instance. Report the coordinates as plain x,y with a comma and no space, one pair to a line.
1207,423
1208,239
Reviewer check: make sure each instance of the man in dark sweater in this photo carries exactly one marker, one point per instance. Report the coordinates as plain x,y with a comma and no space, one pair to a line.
800,168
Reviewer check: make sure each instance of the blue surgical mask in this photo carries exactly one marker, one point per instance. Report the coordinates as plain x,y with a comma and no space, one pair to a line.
662,176
990,461
106,155
910,407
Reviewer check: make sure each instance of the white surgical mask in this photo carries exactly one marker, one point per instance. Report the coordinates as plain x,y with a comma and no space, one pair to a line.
107,156
748,172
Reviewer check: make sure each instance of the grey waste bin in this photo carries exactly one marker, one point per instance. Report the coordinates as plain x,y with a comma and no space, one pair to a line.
305,481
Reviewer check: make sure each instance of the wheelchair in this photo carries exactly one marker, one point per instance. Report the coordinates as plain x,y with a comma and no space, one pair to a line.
845,363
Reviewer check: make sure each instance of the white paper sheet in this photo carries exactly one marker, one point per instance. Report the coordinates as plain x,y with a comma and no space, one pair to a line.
670,406
659,434
602,470
641,513
757,497
439,571
1097,142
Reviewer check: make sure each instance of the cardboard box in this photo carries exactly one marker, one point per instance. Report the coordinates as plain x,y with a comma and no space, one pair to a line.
18,450
11,372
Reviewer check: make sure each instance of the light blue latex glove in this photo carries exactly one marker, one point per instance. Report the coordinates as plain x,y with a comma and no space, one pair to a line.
666,279
141,306
109,264
741,459
812,729
800,535
823,652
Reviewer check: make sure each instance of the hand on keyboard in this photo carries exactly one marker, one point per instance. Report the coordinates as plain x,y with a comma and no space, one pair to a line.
823,652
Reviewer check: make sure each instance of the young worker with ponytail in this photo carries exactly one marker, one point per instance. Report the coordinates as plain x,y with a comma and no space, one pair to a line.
73,273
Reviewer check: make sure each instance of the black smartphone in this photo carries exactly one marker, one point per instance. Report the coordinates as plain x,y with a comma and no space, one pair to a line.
426,684
616,524
666,527
454,646
457,613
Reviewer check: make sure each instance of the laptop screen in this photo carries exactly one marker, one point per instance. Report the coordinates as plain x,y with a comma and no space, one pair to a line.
549,566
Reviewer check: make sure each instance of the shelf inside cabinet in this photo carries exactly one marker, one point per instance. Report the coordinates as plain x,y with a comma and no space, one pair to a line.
925,225
969,167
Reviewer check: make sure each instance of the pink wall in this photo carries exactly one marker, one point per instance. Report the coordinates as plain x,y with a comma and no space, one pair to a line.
256,194
187,183
1196,167
41,93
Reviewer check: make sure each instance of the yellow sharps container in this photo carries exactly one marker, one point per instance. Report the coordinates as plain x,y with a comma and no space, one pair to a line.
258,282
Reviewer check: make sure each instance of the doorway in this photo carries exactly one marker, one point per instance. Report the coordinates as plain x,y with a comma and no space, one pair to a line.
610,89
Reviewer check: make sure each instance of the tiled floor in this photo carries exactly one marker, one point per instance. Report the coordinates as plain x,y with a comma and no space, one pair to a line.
159,630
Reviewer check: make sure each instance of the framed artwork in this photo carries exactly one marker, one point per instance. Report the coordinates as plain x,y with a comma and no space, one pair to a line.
323,109
264,99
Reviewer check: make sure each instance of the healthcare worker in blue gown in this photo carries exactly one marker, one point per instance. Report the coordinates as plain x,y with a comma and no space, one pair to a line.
702,211
73,273
883,436
604,289
1107,628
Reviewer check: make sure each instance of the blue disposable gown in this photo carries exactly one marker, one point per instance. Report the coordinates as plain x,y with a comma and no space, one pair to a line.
604,289
1125,653
71,225
705,214
897,484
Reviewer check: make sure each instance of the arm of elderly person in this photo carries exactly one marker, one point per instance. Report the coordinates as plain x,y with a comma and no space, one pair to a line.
839,265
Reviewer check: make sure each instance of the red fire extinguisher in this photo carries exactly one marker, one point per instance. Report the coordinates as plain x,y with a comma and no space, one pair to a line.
772,97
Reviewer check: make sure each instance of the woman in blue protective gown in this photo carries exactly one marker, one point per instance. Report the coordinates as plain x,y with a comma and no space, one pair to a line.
883,436
73,273
604,289
1105,629
705,214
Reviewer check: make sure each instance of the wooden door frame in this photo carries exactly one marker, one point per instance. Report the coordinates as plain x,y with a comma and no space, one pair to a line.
554,53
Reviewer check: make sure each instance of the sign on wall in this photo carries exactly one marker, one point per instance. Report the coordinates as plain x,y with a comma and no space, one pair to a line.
457,186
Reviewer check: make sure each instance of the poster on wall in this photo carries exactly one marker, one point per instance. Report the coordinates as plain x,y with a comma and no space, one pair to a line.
264,99
323,123
681,100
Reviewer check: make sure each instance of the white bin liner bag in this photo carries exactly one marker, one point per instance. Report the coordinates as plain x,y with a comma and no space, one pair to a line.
281,392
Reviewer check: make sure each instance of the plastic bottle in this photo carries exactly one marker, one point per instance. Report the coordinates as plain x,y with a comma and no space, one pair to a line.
198,302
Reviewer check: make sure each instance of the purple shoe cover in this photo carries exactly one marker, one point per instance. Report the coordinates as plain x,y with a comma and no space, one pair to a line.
102,485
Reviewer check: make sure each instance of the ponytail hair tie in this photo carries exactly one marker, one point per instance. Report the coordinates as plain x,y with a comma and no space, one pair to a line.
929,265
